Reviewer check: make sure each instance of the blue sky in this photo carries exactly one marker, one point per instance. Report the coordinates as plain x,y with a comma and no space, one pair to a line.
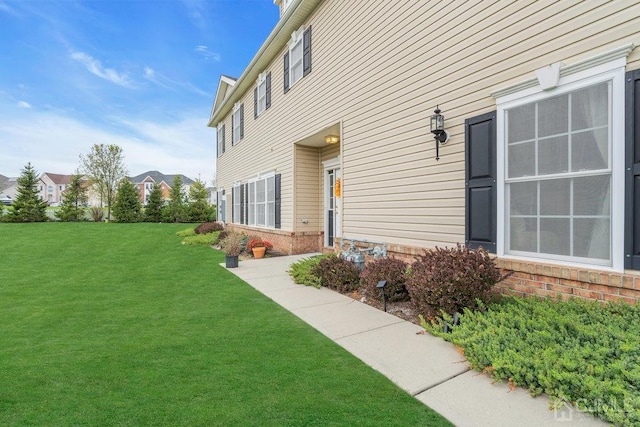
140,74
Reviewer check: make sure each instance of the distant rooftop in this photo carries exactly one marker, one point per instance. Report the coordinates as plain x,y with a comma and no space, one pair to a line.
159,177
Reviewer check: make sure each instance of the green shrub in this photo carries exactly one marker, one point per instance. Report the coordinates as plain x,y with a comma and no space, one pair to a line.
576,351
186,232
209,227
302,271
338,274
201,239
451,279
390,269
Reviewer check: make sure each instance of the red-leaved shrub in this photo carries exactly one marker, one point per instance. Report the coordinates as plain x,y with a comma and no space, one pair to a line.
390,269
337,273
450,279
209,227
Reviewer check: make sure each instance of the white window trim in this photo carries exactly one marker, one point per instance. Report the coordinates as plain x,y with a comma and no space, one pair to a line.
260,177
219,138
613,71
236,124
296,38
261,82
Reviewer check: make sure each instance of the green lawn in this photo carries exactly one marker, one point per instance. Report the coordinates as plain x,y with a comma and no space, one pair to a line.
120,324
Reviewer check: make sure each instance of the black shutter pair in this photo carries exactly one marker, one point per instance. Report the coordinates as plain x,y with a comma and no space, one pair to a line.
267,96
306,58
480,154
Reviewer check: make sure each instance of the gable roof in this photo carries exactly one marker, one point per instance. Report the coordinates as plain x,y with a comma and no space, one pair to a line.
57,178
224,85
158,177
295,15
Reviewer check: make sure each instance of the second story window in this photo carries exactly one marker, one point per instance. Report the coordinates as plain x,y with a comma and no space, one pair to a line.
262,94
220,139
237,123
297,60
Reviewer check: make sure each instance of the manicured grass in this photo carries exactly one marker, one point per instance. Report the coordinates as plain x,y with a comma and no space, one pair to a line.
121,324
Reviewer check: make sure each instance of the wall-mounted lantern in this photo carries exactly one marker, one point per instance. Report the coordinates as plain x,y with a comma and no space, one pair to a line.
437,128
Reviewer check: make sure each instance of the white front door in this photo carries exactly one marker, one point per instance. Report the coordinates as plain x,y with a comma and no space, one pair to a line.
333,204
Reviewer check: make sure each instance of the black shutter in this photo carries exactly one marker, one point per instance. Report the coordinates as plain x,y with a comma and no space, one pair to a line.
277,214
255,103
632,168
268,90
286,72
233,206
223,137
241,121
233,134
480,181
242,204
218,206
306,52
246,204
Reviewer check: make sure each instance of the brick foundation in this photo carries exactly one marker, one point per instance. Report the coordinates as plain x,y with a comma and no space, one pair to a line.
539,279
287,242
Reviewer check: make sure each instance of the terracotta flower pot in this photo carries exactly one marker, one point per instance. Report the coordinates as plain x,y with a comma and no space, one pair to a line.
259,252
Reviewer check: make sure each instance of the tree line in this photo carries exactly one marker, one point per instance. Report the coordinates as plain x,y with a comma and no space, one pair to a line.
103,170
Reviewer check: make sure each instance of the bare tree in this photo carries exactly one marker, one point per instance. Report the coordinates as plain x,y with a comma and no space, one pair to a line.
104,166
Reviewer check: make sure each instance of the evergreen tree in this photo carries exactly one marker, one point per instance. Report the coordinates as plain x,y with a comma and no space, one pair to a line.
153,210
127,207
177,209
199,208
28,205
74,198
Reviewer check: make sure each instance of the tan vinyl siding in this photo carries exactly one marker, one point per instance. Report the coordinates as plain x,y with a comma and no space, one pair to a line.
308,189
380,68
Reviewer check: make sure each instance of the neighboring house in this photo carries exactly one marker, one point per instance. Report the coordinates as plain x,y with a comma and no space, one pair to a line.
10,188
3,182
326,135
144,183
51,187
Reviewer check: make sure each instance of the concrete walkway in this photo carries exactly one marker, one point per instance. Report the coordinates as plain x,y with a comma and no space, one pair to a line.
426,367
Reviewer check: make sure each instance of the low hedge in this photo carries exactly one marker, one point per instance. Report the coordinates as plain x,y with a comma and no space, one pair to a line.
576,351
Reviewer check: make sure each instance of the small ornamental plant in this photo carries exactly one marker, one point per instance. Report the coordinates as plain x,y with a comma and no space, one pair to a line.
393,271
209,227
257,242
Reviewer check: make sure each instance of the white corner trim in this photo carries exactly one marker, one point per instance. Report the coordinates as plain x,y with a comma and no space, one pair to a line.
602,58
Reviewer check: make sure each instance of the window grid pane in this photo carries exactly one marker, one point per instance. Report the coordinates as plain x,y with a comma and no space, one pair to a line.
568,216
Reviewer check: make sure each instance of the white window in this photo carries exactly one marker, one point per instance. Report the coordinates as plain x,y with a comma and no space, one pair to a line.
237,123
295,57
220,139
261,102
560,154
237,204
50,188
262,197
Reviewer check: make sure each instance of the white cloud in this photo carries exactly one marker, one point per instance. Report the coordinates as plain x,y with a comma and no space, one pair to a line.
24,104
167,83
207,54
52,142
95,67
